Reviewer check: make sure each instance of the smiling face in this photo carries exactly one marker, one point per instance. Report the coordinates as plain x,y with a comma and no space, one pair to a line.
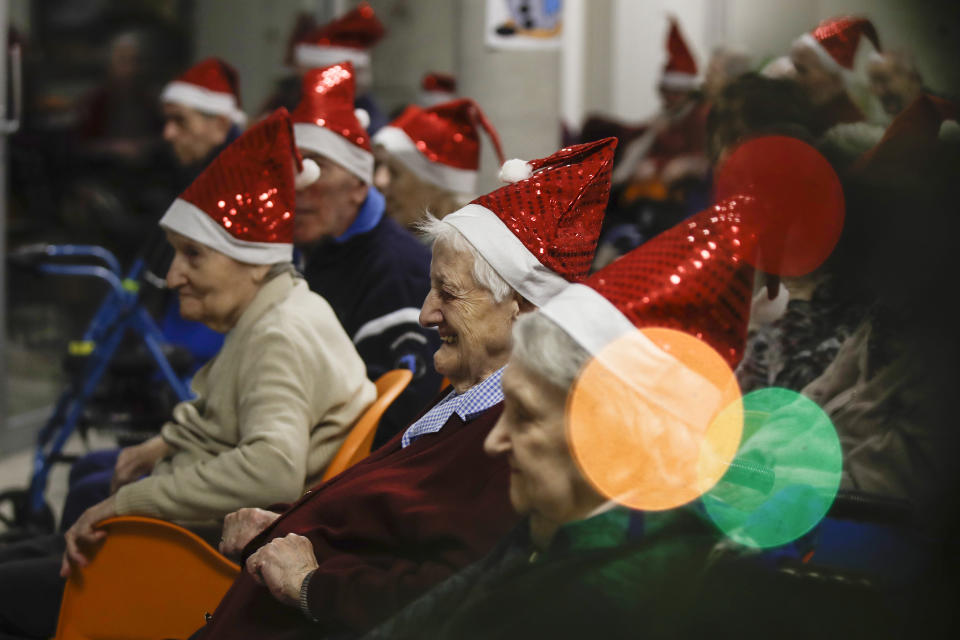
214,289
329,205
894,84
545,482
475,330
821,85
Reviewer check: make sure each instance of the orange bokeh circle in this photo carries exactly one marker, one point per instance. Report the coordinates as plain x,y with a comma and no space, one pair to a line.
655,419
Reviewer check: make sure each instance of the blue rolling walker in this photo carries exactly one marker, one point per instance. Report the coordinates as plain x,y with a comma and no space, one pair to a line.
119,313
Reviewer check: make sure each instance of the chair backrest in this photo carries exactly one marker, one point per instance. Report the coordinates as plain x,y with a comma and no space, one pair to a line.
358,442
150,579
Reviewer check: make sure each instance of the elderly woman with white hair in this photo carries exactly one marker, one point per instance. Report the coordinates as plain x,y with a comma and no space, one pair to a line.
428,502
581,564
271,409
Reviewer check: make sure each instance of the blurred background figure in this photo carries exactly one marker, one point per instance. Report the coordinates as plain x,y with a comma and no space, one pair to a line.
436,88
726,64
429,159
348,38
895,80
823,60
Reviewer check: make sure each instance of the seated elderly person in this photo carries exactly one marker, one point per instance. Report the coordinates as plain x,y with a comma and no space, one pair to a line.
605,445
358,547
428,159
271,409
582,564
822,60
373,272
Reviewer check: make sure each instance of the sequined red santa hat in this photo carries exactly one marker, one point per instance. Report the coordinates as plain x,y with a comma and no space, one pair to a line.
326,123
540,232
242,205
835,41
441,144
348,37
437,88
680,70
694,277
211,86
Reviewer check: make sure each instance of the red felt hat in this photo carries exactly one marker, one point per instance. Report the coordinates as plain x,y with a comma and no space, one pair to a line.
694,277
326,123
540,232
441,144
437,88
910,140
242,205
835,40
211,86
349,37
680,70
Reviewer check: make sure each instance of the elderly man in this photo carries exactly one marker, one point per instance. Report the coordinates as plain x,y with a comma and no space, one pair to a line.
822,59
429,159
895,80
427,503
373,272
202,115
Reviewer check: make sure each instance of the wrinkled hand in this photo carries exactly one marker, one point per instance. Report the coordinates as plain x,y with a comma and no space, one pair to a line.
82,535
240,527
281,566
138,460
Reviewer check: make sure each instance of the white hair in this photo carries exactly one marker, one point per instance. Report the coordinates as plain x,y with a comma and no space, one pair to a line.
437,232
543,348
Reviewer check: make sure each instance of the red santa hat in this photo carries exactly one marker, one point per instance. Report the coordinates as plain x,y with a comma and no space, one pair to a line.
349,37
441,144
210,86
910,141
680,71
436,88
242,205
694,277
540,232
326,123
835,41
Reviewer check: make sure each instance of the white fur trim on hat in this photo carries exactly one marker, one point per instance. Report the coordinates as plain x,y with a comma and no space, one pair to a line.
334,146
363,117
189,220
312,55
398,143
507,254
593,322
205,100
763,310
679,81
807,40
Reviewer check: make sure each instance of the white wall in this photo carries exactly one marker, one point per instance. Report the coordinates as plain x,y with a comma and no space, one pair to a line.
930,29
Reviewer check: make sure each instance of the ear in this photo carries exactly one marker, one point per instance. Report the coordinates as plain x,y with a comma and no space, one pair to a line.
523,305
223,124
258,273
359,193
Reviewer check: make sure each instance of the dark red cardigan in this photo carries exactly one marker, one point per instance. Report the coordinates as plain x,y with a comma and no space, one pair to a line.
383,531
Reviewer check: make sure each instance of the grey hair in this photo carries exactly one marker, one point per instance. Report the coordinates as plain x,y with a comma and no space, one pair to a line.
540,345
437,232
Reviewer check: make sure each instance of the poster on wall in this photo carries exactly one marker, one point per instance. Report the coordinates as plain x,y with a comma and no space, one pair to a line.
524,24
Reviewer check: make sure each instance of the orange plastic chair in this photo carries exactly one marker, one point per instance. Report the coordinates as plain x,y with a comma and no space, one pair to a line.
150,579
154,579
357,445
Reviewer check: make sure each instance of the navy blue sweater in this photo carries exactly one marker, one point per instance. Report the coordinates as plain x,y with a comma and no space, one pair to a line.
376,280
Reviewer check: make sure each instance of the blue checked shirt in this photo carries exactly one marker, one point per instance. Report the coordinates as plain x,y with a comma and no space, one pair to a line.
468,405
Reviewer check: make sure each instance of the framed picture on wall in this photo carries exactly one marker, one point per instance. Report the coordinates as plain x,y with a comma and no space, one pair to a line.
524,24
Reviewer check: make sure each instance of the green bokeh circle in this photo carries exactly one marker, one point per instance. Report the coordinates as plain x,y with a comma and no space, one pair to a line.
785,475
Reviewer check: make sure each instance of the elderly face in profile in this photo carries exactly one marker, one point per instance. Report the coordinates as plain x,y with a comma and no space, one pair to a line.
545,482
895,80
471,307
